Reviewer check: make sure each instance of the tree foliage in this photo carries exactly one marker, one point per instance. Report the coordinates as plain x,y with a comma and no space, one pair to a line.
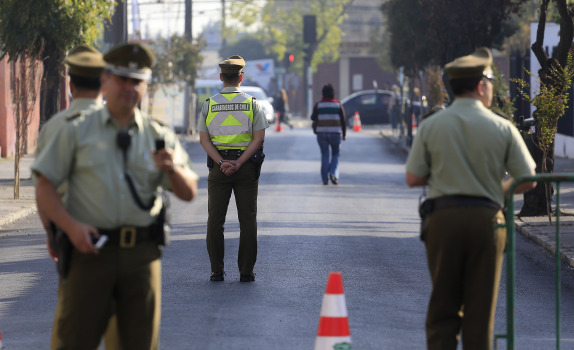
536,202
281,31
177,60
30,25
247,46
437,31
45,30
406,24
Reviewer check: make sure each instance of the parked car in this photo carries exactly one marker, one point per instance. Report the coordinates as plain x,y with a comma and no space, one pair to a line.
264,101
372,105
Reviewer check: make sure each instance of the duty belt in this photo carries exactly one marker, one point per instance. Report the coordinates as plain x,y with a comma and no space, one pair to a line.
127,236
231,152
462,201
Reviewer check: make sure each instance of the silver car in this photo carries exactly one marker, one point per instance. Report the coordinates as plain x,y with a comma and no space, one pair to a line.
263,100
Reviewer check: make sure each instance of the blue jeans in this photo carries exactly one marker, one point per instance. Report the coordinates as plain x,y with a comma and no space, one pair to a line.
329,166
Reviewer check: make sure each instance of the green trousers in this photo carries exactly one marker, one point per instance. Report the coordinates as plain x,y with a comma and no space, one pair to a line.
464,252
111,336
127,278
244,185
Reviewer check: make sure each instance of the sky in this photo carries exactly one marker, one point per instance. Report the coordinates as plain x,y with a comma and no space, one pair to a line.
166,17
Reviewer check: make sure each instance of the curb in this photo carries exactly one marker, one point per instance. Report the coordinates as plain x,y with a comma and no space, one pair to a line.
8,217
547,241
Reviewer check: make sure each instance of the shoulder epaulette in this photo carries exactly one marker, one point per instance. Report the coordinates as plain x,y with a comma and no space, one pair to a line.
160,122
73,116
432,111
500,114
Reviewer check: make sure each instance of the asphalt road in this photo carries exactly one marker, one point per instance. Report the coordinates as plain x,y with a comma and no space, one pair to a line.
366,228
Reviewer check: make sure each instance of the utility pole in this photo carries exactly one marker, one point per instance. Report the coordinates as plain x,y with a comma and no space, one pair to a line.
120,25
189,99
223,39
310,40
188,20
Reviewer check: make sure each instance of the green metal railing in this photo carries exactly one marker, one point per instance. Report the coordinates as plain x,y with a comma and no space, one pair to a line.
510,335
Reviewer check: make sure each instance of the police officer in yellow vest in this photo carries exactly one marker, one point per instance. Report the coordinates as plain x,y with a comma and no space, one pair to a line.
114,166
462,153
86,65
232,130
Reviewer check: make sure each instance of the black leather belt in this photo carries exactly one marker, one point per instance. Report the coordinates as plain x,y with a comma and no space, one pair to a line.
462,201
231,152
127,236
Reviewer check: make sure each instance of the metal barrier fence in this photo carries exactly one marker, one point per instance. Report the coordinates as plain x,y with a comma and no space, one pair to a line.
510,335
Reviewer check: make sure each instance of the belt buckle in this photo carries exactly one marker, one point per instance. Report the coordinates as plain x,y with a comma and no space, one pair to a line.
128,236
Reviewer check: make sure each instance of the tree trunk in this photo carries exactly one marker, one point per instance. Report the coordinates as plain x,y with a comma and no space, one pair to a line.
535,201
51,79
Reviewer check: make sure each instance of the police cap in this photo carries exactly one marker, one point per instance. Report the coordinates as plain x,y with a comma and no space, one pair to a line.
132,60
233,64
85,61
474,65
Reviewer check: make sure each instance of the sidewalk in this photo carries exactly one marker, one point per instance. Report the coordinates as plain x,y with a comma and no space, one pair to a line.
537,229
13,209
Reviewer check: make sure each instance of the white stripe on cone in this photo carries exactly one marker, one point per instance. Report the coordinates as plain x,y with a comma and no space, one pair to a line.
334,305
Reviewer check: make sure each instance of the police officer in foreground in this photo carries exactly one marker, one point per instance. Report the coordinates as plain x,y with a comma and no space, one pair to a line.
114,160
86,65
462,153
232,130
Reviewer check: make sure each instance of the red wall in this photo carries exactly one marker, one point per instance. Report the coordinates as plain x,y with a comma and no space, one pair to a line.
7,125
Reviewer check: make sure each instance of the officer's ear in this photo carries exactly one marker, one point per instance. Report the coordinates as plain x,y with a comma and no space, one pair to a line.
240,77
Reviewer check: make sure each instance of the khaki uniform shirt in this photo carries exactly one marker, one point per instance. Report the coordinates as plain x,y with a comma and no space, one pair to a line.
58,120
259,121
466,149
85,153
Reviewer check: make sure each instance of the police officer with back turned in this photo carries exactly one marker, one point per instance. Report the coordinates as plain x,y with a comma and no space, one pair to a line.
114,159
232,130
462,153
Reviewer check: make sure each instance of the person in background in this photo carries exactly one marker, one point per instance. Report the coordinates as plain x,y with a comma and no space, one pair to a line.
281,106
114,165
86,65
330,125
462,153
231,131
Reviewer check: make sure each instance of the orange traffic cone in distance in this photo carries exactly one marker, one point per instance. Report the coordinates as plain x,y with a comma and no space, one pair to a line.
357,122
278,126
333,331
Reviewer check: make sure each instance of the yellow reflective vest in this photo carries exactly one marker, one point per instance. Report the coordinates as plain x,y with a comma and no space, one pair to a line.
230,120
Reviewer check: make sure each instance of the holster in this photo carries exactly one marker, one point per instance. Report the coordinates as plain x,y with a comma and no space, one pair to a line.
210,162
64,248
426,207
161,228
258,157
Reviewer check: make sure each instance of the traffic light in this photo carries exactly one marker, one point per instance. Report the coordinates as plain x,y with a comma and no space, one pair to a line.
288,59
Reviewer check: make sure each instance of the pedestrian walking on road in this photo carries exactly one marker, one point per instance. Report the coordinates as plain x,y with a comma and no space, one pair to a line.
86,65
330,125
114,159
462,153
281,107
231,131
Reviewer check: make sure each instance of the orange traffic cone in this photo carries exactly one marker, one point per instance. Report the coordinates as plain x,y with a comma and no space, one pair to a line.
278,126
413,121
357,122
333,331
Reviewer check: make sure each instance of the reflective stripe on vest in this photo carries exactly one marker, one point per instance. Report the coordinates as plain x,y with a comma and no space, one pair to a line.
328,119
230,120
